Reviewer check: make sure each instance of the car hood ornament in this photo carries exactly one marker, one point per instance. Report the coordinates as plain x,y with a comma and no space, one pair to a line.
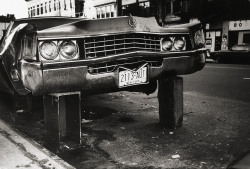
132,21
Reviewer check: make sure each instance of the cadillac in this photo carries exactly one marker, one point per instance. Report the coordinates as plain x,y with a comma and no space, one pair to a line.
41,56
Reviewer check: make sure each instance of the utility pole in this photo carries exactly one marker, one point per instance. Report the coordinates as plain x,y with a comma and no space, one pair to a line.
119,7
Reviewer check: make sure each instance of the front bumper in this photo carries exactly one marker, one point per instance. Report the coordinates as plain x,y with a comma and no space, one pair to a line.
46,78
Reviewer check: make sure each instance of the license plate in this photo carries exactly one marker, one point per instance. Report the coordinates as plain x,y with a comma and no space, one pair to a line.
130,77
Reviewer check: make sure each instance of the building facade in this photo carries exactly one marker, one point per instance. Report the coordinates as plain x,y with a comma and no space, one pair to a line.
229,24
97,9
40,8
224,35
165,11
4,23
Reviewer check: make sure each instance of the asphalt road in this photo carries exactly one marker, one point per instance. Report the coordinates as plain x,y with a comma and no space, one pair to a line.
122,131
224,81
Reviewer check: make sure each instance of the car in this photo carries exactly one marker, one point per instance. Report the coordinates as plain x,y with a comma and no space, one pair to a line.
64,59
58,54
239,53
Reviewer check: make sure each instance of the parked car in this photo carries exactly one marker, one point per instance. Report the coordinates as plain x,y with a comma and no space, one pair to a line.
239,53
40,56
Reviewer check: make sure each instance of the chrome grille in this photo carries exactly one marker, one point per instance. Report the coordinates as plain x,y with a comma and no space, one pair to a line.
115,44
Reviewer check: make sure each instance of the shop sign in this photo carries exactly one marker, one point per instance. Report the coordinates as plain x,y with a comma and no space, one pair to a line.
239,25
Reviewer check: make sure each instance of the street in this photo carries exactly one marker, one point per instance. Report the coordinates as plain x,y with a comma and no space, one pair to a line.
121,129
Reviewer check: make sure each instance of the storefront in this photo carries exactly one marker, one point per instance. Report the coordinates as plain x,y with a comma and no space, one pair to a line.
235,32
239,32
213,37
136,7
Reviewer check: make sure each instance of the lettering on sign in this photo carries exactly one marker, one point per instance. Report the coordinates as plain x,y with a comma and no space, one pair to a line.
239,25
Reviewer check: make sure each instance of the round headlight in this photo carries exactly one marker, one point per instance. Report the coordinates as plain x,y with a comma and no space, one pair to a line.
179,43
48,50
166,44
68,49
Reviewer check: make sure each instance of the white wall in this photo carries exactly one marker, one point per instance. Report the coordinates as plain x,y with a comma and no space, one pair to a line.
3,26
69,11
89,9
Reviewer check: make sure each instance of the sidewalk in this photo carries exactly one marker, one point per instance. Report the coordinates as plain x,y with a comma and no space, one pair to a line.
18,151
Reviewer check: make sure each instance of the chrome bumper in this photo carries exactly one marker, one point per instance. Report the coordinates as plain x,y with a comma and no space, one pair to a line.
46,78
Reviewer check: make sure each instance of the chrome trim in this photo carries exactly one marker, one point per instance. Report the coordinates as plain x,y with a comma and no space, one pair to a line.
100,35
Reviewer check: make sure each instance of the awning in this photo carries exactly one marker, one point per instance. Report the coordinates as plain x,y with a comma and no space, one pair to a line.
103,2
128,2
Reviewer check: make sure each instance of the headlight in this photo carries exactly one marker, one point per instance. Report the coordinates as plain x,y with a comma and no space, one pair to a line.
48,50
199,38
68,49
179,43
166,44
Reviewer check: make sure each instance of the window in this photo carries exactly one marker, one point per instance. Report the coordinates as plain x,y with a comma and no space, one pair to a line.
37,10
98,11
108,11
65,5
29,12
49,6
45,7
41,8
54,5
33,11
112,11
246,38
103,12
144,9
59,4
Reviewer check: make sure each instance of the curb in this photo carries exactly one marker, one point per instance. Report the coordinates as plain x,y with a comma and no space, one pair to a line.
24,147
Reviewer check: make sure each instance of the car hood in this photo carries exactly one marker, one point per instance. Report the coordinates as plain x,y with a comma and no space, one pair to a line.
85,27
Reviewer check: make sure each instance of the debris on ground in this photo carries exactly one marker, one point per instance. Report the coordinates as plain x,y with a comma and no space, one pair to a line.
176,156
86,121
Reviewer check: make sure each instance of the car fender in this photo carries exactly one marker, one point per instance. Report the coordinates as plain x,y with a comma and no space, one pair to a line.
10,54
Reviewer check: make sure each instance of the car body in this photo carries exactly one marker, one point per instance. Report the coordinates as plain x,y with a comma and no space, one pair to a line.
40,56
239,53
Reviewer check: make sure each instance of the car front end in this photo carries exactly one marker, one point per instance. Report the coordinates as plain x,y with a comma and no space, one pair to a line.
100,56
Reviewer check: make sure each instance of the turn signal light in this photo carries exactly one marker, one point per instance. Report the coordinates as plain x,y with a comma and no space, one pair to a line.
199,38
